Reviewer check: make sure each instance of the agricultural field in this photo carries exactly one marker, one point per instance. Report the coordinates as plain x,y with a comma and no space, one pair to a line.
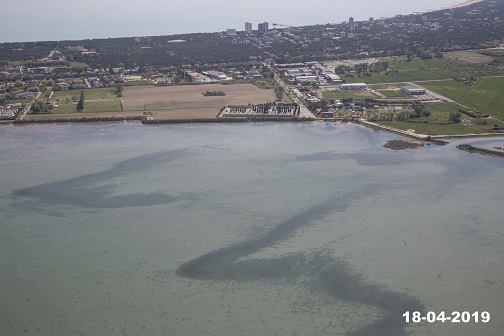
187,101
468,57
485,96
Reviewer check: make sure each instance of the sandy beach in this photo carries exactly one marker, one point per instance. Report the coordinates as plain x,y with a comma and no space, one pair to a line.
465,4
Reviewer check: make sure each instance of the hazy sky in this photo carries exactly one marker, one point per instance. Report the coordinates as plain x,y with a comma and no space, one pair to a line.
63,19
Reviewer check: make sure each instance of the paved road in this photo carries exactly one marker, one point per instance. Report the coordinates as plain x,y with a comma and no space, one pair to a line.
304,111
23,114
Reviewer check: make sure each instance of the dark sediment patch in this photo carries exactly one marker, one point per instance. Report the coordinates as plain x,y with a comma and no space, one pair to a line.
368,159
321,156
364,159
97,191
401,144
319,272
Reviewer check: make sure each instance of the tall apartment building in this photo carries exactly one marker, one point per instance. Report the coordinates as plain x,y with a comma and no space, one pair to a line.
263,27
248,27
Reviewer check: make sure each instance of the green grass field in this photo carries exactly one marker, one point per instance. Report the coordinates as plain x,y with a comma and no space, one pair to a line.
387,86
417,69
486,96
19,101
432,69
102,93
448,88
95,100
394,94
348,94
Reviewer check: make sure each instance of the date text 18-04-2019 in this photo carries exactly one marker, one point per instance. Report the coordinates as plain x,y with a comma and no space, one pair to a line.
453,317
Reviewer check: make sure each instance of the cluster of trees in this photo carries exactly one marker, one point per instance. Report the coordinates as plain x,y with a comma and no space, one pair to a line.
118,89
279,91
423,54
210,93
366,69
212,48
182,74
455,117
40,106
321,104
419,111
473,114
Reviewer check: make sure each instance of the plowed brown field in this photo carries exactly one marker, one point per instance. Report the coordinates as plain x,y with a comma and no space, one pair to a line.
187,101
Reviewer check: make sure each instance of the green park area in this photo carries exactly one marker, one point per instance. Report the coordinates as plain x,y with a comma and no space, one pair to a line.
95,100
439,122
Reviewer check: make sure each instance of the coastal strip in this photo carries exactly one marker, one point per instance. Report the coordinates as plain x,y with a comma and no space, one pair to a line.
465,4
435,139
147,121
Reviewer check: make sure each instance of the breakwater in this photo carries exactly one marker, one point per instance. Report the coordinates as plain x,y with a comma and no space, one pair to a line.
479,150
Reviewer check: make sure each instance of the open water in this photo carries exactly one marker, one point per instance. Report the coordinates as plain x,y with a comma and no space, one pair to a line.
66,20
249,229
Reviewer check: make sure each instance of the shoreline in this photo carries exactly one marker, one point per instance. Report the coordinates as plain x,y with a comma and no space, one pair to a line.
437,139
465,4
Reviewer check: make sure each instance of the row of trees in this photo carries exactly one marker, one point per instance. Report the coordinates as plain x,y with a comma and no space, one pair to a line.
80,102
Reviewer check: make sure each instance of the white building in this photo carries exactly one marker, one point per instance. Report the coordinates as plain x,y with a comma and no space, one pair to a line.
333,78
415,91
354,86
217,75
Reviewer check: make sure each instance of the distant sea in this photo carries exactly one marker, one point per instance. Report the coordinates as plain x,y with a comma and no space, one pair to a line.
63,20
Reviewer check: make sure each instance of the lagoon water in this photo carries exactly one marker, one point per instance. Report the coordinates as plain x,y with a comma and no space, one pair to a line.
256,229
